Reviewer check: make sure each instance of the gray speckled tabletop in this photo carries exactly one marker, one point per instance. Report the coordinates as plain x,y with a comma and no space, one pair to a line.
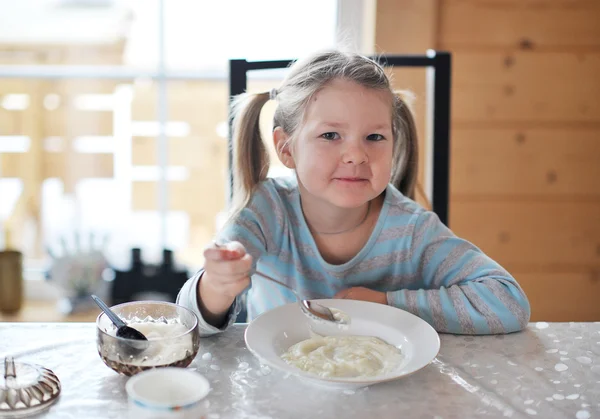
550,370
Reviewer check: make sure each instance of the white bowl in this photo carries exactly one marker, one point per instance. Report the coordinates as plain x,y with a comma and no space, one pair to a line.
272,333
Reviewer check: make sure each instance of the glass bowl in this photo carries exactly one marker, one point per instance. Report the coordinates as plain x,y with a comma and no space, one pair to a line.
172,332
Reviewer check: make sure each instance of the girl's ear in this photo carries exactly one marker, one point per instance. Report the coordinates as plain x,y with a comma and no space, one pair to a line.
282,146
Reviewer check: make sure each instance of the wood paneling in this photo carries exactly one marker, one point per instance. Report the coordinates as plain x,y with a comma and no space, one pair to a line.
409,27
10,122
526,143
199,198
194,152
73,123
144,151
29,203
209,98
541,87
530,235
525,103
557,71
68,89
15,86
556,163
79,166
203,148
59,165
563,296
524,24
11,164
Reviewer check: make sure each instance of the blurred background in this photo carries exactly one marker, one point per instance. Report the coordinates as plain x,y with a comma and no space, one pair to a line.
113,134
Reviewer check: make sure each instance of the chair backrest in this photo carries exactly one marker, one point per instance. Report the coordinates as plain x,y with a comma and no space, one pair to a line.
440,62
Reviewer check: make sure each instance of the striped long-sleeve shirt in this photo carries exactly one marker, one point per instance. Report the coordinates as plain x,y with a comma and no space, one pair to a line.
411,256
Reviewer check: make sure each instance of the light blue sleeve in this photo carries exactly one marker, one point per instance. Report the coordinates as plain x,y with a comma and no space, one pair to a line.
464,291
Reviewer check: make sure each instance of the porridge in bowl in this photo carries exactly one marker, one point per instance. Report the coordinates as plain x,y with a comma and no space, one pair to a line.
344,356
284,338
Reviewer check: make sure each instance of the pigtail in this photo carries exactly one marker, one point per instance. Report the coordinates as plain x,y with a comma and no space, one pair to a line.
406,150
250,155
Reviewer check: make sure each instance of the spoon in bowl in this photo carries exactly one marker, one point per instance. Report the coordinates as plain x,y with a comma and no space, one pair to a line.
124,331
309,308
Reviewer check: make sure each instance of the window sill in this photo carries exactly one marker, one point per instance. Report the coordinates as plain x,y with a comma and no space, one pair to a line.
46,311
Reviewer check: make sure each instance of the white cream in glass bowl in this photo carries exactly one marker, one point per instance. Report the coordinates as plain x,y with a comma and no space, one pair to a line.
172,333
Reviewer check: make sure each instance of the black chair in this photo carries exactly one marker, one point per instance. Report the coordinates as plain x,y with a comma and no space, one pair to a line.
164,279
439,61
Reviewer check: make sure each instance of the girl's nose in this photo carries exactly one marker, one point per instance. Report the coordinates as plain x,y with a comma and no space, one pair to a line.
355,154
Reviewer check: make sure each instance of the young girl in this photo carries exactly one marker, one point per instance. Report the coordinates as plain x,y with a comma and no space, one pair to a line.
344,225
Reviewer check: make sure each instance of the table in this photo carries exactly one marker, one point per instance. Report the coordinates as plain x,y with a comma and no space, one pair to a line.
550,370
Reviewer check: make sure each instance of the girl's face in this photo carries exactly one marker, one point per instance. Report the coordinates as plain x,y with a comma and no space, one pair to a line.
343,151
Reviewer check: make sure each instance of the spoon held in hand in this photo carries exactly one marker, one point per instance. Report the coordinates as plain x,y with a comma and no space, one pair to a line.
309,308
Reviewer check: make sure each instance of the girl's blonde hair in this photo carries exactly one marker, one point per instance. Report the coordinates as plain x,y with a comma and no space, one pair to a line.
305,78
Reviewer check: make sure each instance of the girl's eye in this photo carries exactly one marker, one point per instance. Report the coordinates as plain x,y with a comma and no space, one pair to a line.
375,137
330,135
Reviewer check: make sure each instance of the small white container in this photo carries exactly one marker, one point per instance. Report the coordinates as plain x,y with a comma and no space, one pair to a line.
173,393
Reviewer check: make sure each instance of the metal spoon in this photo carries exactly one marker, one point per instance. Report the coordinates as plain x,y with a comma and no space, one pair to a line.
124,331
310,309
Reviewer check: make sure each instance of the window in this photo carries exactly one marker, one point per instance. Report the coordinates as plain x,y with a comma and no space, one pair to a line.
113,116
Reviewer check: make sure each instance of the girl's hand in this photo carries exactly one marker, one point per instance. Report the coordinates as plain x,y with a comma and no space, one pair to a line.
226,275
363,294
227,269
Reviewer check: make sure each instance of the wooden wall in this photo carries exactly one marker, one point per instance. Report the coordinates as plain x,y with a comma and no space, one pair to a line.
525,176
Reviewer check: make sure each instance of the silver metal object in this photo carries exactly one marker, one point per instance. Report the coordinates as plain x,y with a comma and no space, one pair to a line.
26,389
309,308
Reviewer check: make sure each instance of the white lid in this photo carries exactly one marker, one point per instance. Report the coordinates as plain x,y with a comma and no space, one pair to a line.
168,387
